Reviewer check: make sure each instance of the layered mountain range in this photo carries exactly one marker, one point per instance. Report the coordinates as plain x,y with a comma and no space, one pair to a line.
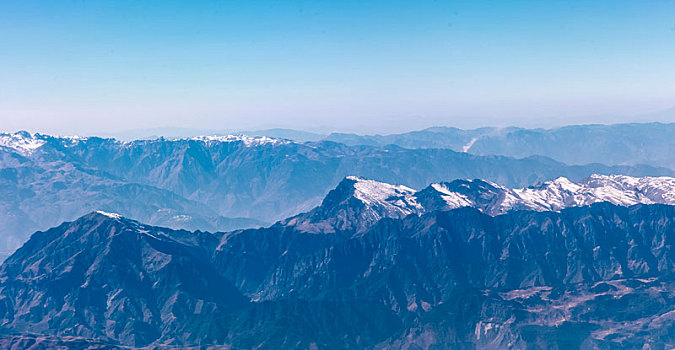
561,265
226,182
637,143
633,143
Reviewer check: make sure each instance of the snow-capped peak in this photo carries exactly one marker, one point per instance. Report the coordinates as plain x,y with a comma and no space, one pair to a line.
356,204
562,193
26,143
390,197
22,141
654,189
245,139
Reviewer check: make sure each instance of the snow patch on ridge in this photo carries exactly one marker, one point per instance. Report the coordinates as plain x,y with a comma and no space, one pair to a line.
453,199
562,193
395,199
468,146
110,215
245,139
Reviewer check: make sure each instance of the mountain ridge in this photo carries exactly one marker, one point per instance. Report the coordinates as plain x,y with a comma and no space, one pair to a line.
456,278
357,203
613,144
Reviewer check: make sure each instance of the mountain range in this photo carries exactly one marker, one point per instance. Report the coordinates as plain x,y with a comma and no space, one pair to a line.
226,182
489,238
646,143
382,267
615,144
357,203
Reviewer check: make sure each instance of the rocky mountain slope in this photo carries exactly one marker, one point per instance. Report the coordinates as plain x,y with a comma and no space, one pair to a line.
594,276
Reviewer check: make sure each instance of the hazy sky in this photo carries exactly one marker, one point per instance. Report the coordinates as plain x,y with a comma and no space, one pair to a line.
371,66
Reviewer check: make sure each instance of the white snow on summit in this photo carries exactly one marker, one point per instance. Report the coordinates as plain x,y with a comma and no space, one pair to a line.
648,189
397,200
360,203
453,199
383,200
247,140
562,193
23,142
110,215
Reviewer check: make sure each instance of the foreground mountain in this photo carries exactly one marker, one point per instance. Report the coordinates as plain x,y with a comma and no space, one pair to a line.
225,182
106,273
598,276
648,143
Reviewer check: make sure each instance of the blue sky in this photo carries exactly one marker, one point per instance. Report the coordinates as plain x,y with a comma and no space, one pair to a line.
379,66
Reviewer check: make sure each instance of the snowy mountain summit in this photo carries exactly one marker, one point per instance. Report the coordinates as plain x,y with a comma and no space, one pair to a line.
556,195
22,141
245,139
357,203
26,143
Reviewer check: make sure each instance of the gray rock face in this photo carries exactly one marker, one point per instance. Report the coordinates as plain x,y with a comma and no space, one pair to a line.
599,276
106,276
222,183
